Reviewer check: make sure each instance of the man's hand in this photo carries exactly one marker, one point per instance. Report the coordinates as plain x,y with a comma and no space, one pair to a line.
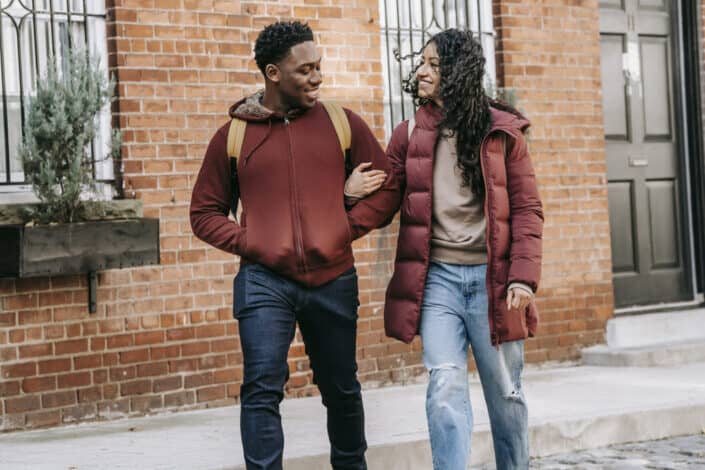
363,182
518,298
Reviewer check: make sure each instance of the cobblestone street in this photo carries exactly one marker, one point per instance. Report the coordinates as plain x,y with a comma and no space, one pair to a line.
687,452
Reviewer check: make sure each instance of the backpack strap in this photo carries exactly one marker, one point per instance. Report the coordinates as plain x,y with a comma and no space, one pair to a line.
236,135
340,122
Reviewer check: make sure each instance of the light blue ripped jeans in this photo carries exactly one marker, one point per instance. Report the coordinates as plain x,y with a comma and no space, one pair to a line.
453,315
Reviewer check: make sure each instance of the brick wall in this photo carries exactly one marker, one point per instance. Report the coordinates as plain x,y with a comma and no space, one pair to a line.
549,52
163,337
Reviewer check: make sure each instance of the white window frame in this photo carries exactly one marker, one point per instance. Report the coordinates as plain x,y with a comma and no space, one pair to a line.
407,24
26,64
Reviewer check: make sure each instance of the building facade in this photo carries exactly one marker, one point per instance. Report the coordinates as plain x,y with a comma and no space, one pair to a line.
612,88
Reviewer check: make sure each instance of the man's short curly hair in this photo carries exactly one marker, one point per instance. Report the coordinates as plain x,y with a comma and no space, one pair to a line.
276,40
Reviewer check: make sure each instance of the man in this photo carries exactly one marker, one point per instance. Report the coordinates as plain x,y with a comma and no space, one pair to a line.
294,239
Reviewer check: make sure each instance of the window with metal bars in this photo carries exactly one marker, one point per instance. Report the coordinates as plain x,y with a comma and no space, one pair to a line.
408,24
33,33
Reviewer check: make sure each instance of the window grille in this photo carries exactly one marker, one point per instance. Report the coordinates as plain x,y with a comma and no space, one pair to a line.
33,33
408,24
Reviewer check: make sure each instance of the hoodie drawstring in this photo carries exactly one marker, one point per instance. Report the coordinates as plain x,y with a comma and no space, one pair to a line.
259,144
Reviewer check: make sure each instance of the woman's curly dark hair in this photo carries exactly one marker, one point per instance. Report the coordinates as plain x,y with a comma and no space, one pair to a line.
466,106
276,40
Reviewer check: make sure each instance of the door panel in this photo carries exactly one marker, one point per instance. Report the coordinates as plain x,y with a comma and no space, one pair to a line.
664,235
624,256
656,88
614,92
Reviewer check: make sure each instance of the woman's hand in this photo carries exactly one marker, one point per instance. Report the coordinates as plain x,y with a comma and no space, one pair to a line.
363,182
518,298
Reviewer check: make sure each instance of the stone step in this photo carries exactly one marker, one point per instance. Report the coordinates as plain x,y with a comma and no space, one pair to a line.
656,328
662,354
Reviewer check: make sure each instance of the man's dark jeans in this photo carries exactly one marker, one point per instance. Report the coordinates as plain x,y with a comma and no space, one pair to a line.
267,307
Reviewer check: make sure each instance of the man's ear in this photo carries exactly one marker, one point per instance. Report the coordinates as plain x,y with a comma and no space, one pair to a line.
272,72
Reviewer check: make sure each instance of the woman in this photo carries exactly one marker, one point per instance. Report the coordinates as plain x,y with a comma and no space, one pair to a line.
469,249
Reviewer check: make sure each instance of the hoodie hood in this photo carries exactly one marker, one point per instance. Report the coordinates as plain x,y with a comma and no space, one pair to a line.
251,108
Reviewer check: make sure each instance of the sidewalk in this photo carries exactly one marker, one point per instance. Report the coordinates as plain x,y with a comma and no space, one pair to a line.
570,408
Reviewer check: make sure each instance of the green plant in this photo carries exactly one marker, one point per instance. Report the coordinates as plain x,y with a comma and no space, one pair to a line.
61,123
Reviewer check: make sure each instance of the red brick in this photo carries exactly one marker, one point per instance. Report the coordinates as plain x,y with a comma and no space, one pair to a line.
120,341
38,384
100,376
165,352
195,349
83,412
119,374
183,365
71,347
88,362
150,337
35,350
9,319
180,334
152,369
177,399
58,399
198,380
54,365
43,419
22,404
78,379
216,392
90,395
144,404
8,389
24,369
166,384
135,355
137,387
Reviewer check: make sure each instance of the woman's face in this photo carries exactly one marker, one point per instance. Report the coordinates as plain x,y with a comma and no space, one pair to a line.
428,74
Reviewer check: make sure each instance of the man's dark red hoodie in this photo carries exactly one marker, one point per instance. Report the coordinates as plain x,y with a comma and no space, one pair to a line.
290,179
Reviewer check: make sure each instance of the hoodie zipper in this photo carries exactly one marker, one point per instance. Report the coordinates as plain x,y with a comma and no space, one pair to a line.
298,236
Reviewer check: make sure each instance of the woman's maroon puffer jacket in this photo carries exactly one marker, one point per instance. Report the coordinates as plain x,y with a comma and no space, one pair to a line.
514,223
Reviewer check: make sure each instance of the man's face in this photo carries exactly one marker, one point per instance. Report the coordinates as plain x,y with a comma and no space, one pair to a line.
298,76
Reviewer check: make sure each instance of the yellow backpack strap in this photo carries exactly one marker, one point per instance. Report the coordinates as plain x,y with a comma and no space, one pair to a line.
341,124
236,135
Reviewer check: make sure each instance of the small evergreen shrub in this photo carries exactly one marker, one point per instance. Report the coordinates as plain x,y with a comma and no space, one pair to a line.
61,124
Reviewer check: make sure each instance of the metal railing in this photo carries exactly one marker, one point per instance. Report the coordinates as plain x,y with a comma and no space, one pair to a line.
33,34
407,24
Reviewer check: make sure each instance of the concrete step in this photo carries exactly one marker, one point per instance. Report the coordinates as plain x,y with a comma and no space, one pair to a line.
570,408
655,328
645,356
651,339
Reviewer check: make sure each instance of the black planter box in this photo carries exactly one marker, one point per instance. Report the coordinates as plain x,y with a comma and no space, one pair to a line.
84,247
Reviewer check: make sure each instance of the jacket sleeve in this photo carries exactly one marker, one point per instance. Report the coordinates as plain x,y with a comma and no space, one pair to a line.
526,215
212,198
377,209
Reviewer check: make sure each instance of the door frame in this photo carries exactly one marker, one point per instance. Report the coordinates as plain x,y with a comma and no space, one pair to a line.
687,53
690,19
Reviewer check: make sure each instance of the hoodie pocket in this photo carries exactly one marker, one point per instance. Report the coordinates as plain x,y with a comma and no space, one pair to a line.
328,242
